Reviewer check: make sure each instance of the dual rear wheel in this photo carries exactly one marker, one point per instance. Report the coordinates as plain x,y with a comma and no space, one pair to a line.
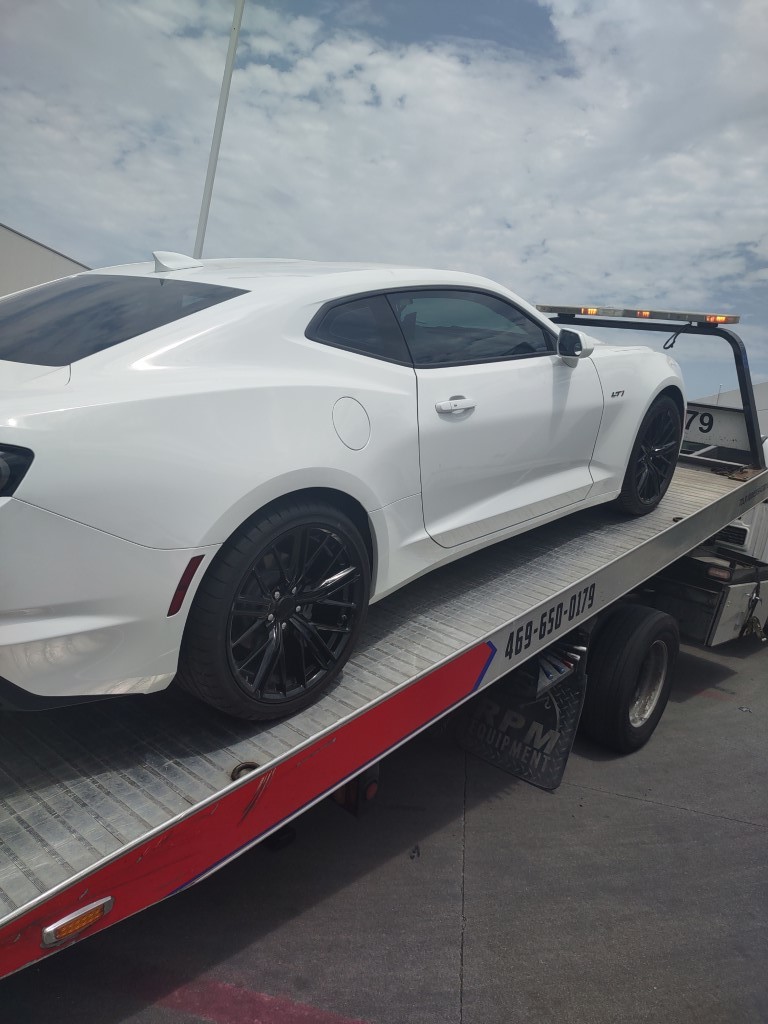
630,668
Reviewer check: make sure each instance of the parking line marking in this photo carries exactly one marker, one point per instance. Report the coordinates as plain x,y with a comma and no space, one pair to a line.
220,1003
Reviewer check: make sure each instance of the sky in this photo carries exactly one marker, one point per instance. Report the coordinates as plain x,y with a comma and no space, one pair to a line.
578,151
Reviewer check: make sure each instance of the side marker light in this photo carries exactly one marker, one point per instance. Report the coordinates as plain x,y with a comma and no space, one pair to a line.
71,925
181,590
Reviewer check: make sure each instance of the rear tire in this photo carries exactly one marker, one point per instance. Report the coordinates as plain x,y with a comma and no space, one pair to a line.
653,458
278,612
630,669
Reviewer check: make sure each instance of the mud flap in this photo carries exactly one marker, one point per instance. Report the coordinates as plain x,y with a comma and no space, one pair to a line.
526,723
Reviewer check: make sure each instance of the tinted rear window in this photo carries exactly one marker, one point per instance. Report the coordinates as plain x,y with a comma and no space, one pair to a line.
59,323
366,326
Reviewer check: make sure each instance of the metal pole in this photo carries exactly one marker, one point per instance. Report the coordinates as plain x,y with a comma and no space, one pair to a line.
218,129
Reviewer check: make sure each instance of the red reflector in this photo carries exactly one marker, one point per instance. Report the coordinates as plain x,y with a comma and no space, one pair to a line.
719,574
186,578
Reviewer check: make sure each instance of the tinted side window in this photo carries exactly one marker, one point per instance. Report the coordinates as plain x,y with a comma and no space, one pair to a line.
447,327
61,322
364,325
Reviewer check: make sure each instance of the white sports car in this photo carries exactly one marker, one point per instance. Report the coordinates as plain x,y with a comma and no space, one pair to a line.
209,469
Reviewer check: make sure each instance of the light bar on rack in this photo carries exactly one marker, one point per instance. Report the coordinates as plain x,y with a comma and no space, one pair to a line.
641,314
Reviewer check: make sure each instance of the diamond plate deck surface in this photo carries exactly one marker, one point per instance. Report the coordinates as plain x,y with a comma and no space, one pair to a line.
78,785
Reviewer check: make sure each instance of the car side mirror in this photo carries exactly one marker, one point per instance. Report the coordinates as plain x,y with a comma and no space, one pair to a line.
573,346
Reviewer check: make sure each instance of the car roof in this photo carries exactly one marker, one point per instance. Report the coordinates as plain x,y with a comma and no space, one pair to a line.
272,279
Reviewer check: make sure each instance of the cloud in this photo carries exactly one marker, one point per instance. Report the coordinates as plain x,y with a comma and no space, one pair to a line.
632,169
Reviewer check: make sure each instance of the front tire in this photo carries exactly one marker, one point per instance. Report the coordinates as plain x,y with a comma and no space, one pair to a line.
630,669
278,612
653,458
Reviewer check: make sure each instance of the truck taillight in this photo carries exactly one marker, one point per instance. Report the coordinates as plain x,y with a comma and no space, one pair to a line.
14,463
718,572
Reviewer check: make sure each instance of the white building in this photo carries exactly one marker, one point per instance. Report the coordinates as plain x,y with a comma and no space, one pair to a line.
24,262
732,400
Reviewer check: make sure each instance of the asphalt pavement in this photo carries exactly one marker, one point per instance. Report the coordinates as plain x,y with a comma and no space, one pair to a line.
638,891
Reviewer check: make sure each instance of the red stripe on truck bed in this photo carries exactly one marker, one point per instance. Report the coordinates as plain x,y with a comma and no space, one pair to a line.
190,848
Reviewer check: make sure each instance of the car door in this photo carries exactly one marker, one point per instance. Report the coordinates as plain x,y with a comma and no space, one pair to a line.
506,429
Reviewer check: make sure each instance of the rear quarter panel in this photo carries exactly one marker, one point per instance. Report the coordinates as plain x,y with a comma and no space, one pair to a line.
185,443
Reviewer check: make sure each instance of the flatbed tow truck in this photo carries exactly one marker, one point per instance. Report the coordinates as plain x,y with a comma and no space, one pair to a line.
109,807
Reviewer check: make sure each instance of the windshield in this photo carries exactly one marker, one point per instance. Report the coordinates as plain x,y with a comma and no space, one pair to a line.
61,322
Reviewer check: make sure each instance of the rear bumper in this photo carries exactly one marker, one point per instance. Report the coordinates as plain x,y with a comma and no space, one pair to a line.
83,613
13,698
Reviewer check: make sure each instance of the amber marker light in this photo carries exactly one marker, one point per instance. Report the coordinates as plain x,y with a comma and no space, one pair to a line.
640,314
75,923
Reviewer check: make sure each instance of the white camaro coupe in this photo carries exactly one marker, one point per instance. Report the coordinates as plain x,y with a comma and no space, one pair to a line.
208,470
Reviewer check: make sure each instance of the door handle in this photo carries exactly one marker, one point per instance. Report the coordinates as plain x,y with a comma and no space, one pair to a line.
456,403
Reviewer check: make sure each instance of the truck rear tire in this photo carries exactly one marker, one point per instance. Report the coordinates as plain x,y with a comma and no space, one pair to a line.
629,675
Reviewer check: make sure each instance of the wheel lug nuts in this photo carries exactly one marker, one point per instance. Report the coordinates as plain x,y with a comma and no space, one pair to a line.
298,607
277,595
294,590
270,617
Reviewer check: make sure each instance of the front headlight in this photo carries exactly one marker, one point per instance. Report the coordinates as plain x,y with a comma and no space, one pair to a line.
14,463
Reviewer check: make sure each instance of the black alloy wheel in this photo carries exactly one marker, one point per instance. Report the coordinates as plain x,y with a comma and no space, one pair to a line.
653,459
292,618
278,613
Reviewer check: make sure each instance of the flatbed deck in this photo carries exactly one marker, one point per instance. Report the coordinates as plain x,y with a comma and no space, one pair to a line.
133,799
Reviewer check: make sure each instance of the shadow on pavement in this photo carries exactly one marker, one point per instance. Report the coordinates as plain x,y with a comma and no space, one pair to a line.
694,674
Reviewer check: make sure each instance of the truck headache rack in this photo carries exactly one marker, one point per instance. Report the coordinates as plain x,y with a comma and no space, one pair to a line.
106,809
731,438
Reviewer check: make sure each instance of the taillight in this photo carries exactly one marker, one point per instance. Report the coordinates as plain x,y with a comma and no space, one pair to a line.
14,463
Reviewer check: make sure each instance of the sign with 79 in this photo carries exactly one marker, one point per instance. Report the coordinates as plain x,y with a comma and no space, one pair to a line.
716,425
